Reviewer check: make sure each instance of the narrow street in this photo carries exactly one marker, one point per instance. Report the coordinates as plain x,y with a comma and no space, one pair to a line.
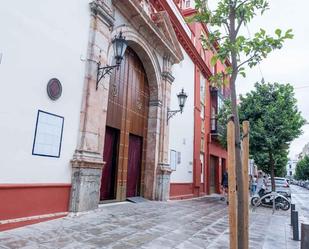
199,223
301,200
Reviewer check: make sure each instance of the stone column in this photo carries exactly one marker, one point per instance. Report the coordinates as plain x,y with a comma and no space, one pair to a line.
163,182
152,159
87,162
163,171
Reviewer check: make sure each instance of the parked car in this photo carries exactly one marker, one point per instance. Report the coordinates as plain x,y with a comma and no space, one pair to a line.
293,181
282,186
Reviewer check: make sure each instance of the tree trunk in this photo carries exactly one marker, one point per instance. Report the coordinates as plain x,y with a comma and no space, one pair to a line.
238,161
272,171
239,168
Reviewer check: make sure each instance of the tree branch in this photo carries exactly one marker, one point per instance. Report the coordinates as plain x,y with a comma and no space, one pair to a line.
221,38
246,61
227,26
239,25
242,3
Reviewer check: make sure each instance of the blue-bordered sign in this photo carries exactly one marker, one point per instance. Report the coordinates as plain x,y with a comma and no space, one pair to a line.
48,134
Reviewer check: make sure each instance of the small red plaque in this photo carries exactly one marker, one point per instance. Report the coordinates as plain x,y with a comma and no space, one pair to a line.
54,89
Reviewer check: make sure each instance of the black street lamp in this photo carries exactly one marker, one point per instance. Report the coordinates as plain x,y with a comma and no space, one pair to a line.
182,97
119,46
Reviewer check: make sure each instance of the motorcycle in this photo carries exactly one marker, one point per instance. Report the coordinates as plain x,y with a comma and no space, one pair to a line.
265,198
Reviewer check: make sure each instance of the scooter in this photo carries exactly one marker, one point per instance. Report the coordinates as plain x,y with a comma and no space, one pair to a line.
265,198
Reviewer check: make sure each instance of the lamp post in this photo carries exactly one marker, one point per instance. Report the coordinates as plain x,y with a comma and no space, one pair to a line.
182,97
119,46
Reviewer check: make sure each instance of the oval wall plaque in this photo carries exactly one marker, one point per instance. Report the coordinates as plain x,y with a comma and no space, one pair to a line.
54,89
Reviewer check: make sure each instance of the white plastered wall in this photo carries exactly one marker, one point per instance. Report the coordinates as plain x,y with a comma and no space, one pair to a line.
40,40
182,125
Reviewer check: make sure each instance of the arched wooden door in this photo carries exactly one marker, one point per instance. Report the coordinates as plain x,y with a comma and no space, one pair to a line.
127,120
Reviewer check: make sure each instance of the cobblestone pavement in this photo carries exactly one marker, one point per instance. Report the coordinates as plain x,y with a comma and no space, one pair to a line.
192,224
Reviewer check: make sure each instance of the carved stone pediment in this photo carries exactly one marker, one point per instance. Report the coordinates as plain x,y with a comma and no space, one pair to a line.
164,23
103,9
155,27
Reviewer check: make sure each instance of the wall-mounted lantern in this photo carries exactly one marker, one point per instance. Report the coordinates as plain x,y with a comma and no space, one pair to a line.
119,46
182,97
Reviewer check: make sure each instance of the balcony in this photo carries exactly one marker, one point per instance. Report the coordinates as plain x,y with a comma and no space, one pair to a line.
216,93
216,129
217,102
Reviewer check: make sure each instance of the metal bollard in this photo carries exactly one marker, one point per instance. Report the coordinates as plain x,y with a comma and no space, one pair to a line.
304,236
295,225
292,209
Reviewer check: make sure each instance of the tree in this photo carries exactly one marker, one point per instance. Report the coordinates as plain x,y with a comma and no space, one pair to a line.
302,169
265,105
232,15
274,122
262,160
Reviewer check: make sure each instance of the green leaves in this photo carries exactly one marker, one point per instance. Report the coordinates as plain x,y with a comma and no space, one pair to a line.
278,32
258,48
240,49
218,79
271,109
241,71
302,169
213,60
288,34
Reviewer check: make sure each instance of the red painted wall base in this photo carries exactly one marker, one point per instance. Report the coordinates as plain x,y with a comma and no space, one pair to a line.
180,191
27,200
9,226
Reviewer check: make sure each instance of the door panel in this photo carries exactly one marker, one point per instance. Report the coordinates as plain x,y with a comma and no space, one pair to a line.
108,180
212,176
134,165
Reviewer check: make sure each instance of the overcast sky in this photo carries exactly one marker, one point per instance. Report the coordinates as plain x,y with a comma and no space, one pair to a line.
290,64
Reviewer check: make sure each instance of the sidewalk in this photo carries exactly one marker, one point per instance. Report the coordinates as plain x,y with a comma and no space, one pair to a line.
193,224
273,230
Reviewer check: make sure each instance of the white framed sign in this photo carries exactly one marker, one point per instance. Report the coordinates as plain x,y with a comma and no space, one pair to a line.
48,135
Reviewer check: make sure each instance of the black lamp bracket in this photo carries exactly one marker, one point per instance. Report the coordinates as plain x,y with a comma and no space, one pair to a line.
102,71
171,113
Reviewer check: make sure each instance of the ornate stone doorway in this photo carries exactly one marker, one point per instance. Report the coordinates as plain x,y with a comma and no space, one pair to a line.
139,103
127,111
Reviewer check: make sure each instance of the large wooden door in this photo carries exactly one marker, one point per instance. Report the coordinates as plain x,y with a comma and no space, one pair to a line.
128,105
134,165
108,180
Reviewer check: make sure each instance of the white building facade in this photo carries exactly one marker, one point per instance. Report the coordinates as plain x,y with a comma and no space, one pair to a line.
182,133
54,159
291,167
71,139
40,41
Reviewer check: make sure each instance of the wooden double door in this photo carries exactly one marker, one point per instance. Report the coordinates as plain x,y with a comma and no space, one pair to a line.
126,130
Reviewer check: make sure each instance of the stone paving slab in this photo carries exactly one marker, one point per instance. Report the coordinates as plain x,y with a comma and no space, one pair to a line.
193,224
